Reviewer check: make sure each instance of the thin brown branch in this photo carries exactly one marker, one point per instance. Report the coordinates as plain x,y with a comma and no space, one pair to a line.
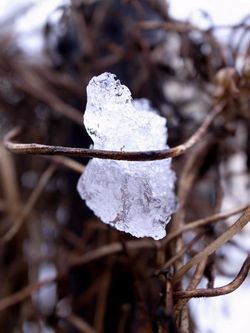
39,149
169,303
24,293
67,163
187,26
110,249
211,292
202,222
185,248
29,205
76,261
80,324
193,283
187,178
84,259
170,26
103,251
102,294
9,182
211,248
30,83
3,206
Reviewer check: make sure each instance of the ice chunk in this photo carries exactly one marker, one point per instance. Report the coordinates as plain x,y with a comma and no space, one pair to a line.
135,197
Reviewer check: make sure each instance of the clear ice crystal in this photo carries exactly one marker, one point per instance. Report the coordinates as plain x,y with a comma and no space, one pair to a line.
135,197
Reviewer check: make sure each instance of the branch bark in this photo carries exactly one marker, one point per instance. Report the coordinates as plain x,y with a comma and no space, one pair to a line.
39,149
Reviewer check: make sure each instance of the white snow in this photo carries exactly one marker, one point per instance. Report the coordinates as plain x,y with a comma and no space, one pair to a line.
135,197
220,12
28,27
228,313
46,297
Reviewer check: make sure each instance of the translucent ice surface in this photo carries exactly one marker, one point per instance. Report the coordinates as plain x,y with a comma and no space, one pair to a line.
135,197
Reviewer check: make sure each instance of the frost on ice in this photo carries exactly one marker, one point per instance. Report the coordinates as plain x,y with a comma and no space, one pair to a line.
135,197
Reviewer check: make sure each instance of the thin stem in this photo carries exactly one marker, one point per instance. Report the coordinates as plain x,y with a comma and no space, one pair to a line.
80,324
90,256
29,205
183,250
202,222
39,149
25,292
211,292
109,249
211,248
77,261
193,284
68,163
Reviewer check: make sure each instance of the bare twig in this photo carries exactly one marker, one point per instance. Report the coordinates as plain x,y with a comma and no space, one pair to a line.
9,182
31,83
77,261
211,292
110,249
67,162
226,236
24,293
29,205
169,297
102,293
193,283
187,178
80,324
202,222
39,149
183,250
187,26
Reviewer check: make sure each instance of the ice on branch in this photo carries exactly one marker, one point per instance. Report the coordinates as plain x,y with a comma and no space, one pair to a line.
135,197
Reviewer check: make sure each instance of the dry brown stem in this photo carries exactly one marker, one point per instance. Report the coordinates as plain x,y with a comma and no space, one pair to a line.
38,149
211,248
212,292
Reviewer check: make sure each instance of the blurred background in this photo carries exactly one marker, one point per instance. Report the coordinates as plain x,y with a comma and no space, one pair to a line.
183,57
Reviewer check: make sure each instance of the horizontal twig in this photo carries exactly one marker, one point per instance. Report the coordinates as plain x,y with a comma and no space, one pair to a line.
39,149
188,26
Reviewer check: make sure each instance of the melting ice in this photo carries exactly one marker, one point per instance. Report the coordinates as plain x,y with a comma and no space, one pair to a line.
135,197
